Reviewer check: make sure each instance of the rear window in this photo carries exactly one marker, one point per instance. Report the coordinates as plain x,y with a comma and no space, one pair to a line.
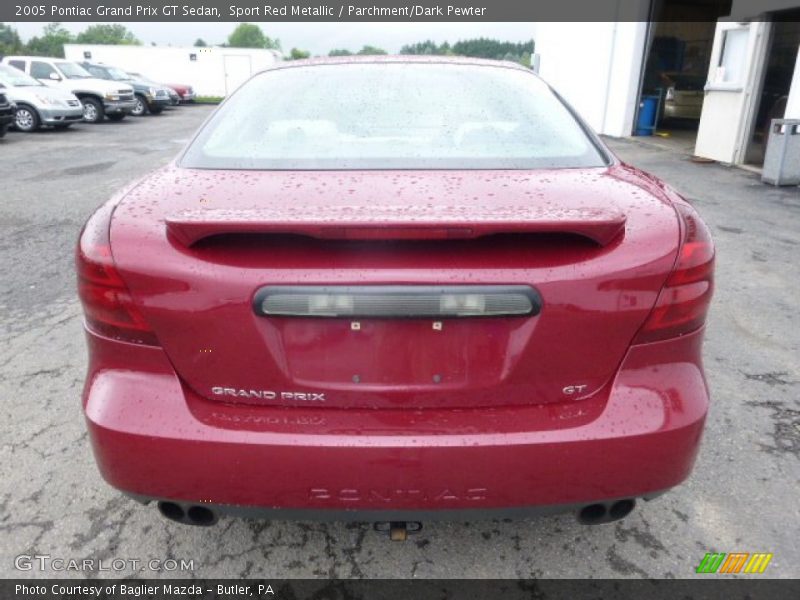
393,116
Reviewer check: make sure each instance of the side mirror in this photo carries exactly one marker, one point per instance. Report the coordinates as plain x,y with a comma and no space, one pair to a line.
55,77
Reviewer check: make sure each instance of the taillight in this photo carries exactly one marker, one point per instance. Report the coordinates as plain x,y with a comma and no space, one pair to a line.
683,302
107,303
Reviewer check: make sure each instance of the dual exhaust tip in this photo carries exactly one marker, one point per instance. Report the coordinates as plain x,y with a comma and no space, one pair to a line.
189,515
591,514
595,514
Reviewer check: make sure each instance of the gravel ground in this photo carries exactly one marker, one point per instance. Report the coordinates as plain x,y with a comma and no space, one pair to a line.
742,495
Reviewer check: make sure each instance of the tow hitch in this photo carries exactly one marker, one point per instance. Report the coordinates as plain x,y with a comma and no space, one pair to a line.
398,530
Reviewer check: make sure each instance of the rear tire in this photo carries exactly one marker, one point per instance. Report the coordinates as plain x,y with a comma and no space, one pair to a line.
156,110
3,129
63,125
93,111
117,117
26,119
140,109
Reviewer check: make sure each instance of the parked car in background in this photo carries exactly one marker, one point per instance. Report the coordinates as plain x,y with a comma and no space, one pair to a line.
457,302
186,92
37,104
99,98
683,96
175,97
7,110
149,97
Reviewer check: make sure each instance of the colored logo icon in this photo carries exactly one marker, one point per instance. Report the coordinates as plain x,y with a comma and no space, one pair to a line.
734,562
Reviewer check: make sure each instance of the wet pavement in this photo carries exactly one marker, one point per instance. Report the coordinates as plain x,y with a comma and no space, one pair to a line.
742,495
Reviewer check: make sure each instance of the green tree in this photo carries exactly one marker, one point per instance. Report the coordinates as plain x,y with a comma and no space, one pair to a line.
297,54
200,43
479,48
51,42
10,43
371,50
340,52
248,35
427,47
486,48
107,33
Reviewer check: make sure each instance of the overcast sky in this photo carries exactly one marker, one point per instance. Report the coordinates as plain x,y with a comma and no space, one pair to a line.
319,38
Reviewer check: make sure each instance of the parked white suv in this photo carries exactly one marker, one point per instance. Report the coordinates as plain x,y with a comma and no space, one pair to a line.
99,97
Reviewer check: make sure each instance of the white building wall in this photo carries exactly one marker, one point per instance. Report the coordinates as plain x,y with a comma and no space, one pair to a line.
626,72
214,72
596,67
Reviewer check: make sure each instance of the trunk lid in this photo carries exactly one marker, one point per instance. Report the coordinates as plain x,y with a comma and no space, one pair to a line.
196,246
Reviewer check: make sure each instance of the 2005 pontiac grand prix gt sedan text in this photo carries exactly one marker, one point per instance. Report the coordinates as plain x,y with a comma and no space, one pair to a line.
395,289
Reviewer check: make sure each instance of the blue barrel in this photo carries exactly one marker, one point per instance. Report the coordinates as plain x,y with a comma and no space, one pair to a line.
648,111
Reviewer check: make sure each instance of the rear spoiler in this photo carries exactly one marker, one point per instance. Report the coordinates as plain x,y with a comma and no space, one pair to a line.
600,225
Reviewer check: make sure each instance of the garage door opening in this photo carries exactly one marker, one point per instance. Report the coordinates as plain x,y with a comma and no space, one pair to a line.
778,71
678,52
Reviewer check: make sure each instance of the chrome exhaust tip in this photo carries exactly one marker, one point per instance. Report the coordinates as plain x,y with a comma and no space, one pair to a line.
598,513
201,516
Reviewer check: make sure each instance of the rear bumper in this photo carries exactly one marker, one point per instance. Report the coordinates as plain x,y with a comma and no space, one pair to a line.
387,514
153,438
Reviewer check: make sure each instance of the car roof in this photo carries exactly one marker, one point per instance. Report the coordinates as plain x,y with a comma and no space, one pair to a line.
398,59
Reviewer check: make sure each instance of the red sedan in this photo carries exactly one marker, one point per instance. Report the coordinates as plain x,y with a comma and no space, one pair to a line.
186,92
395,289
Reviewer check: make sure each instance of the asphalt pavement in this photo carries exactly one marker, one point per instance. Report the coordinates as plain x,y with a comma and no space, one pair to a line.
741,497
